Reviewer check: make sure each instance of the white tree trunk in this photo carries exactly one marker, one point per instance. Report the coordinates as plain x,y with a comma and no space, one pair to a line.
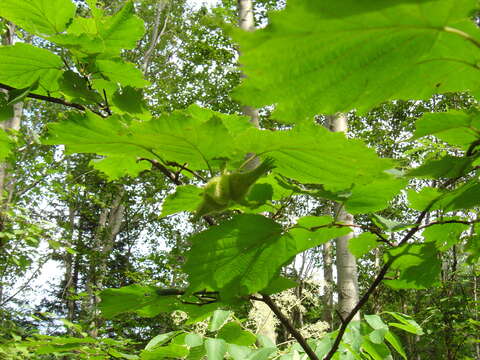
347,277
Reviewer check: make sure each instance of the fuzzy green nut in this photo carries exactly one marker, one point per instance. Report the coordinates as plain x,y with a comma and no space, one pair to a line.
223,191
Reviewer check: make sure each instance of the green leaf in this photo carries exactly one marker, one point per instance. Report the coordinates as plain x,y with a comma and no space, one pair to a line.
144,300
444,235
122,30
116,167
238,352
446,167
233,333
376,351
170,351
418,264
375,196
362,244
6,145
458,128
76,87
421,200
312,154
375,322
39,16
193,340
408,324
130,100
246,253
389,225
218,319
216,349
324,57
185,198
279,284
261,354
396,344
121,72
23,64
194,136
161,339
466,196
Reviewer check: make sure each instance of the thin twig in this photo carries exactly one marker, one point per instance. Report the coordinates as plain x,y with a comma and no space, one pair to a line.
291,329
466,222
54,100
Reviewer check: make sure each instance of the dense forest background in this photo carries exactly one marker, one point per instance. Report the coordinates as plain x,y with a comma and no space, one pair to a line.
73,225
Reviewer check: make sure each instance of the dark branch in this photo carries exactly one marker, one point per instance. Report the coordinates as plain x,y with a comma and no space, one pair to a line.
286,322
53,100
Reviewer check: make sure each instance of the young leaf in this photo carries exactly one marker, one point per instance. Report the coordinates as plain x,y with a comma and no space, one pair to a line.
246,253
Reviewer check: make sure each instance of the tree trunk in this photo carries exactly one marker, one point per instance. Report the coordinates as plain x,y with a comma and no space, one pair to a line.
109,225
328,287
347,278
7,183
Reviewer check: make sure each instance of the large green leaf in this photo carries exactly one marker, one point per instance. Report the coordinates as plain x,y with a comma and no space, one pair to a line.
144,300
196,137
418,264
458,128
244,254
312,154
23,64
38,16
446,167
329,56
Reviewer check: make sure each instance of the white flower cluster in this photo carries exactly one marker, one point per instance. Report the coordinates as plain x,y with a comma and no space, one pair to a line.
179,317
315,330
261,317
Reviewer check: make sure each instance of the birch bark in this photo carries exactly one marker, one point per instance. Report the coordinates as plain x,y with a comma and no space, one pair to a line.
347,277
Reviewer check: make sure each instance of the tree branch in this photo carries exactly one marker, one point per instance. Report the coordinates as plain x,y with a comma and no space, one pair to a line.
54,100
286,322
